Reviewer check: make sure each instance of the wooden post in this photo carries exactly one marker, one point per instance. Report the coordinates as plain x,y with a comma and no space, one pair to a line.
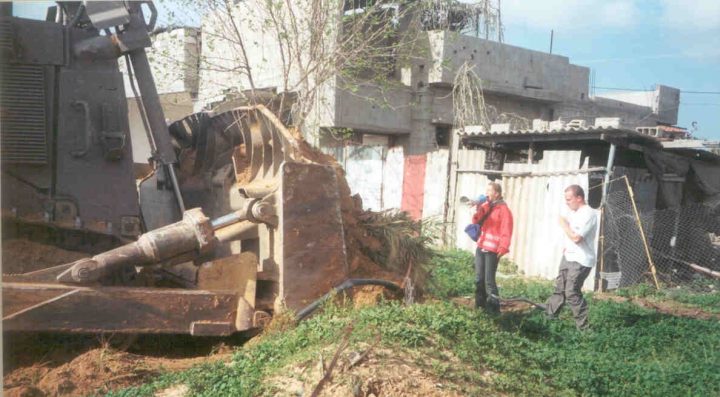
642,233
531,153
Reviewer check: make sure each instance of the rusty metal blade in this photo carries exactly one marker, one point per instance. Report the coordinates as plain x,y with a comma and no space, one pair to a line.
122,309
312,236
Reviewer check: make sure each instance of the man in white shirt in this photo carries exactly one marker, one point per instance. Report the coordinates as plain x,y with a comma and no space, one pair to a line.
579,229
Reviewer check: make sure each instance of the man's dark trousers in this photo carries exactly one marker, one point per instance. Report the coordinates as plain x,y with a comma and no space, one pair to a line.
568,288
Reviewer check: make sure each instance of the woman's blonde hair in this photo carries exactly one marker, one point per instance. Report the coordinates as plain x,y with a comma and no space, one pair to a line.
496,187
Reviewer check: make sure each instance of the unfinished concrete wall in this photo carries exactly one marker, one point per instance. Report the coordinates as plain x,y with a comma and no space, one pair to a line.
223,67
664,101
505,68
504,106
518,84
374,109
631,115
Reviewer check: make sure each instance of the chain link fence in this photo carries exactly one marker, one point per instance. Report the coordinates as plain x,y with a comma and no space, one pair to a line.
674,247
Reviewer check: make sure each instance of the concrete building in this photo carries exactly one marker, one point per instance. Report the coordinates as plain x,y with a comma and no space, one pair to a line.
414,112
417,112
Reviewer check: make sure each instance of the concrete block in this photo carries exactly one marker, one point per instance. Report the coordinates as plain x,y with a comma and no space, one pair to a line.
499,128
608,122
577,123
473,130
556,125
540,125
406,76
652,131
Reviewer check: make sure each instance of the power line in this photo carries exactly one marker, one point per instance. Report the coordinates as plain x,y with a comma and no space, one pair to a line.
622,89
646,90
701,92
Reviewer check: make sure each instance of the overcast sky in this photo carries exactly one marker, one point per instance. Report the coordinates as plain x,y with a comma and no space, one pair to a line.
630,44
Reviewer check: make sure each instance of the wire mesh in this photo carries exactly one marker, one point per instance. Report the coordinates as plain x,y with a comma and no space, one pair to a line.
674,247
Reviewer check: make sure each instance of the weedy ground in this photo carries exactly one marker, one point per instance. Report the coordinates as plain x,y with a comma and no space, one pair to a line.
451,349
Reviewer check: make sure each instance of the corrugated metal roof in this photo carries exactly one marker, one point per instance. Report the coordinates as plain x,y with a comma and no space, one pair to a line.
567,134
559,131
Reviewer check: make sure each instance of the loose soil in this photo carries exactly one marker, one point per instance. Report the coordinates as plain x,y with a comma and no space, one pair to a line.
72,365
24,256
380,372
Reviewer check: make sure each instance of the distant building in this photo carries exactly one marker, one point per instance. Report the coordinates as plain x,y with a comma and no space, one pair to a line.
397,140
418,115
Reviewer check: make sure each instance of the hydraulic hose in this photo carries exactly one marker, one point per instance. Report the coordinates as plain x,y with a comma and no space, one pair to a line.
519,299
347,284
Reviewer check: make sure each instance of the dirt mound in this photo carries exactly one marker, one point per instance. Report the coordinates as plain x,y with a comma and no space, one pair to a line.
95,371
378,373
23,256
70,365
370,295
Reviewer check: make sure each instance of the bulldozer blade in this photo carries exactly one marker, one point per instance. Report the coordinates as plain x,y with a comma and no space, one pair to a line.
64,308
311,233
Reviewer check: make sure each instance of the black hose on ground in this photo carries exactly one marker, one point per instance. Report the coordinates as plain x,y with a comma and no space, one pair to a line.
520,299
347,284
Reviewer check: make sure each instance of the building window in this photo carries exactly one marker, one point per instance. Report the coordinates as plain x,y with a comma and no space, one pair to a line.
442,136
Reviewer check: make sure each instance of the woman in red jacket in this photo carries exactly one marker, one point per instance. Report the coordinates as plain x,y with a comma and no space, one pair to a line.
493,243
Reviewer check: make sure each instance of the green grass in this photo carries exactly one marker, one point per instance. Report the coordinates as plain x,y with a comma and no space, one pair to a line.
631,351
452,274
